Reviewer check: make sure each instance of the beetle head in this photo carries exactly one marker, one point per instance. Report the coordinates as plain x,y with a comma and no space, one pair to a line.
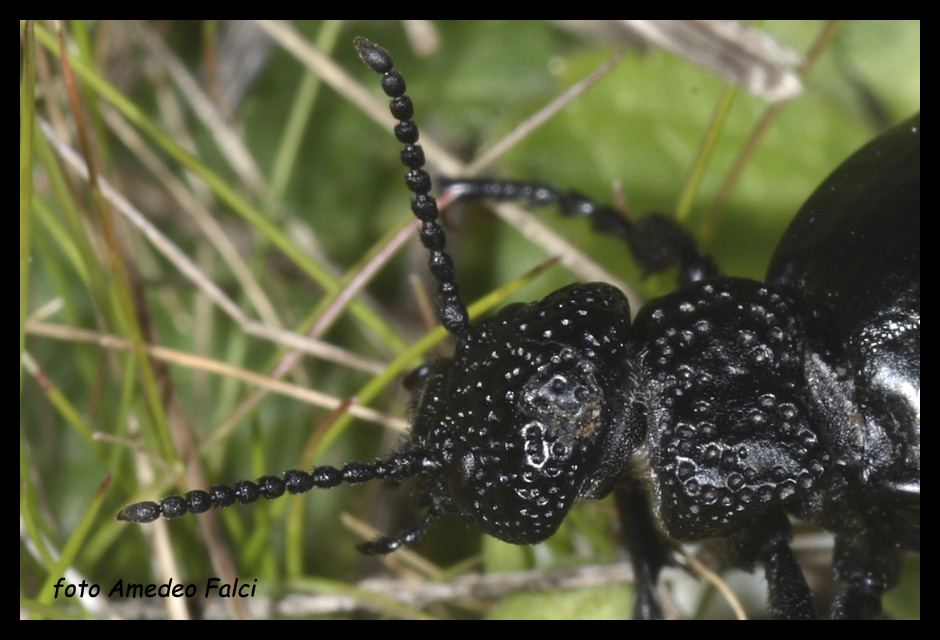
531,414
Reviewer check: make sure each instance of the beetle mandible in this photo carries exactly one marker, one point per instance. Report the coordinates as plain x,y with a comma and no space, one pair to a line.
755,400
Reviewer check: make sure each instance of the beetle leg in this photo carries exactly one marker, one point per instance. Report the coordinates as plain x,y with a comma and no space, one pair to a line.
768,542
649,551
867,566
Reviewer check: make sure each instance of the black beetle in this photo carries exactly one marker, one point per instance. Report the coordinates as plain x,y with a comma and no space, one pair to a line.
754,399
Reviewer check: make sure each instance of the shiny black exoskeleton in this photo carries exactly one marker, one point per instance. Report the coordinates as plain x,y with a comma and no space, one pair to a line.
752,400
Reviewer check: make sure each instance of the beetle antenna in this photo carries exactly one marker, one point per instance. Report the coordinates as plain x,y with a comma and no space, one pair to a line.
407,462
657,242
451,309
398,466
